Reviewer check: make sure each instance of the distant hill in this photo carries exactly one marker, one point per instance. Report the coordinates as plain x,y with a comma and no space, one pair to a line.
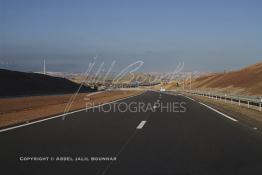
244,81
14,83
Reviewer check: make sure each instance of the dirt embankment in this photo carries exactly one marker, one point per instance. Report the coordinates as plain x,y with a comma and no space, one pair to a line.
246,81
22,109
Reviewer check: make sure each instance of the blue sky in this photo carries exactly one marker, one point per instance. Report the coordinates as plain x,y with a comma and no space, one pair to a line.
205,35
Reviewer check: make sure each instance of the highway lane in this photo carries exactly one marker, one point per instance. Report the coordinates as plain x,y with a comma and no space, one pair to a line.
80,134
198,141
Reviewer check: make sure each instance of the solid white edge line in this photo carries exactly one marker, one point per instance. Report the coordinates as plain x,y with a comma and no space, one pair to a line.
61,115
189,98
141,124
235,120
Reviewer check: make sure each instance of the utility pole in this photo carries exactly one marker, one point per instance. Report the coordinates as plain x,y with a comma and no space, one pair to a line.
184,82
44,67
190,80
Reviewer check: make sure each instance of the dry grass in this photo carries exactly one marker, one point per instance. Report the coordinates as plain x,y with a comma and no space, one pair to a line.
22,109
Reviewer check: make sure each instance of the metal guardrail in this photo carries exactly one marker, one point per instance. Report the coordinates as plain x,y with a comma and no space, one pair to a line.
248,101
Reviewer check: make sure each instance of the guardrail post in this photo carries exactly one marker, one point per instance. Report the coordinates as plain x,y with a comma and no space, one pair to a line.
231,101
247,104
260,105
239,102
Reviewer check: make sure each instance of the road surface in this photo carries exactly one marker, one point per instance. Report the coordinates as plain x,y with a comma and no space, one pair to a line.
199,141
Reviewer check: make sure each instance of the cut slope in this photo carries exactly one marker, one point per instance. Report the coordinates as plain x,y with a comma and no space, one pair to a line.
248,79
14,83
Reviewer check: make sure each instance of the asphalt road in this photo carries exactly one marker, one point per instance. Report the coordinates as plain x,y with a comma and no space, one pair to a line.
198,141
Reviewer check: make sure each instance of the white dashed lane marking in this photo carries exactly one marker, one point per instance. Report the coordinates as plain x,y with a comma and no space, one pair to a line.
141,124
